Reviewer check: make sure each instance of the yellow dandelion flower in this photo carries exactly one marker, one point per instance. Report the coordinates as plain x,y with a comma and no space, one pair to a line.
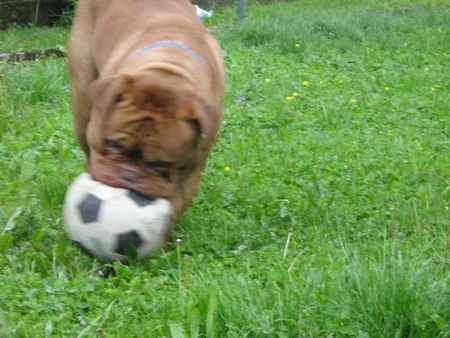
227,169
387,89
433,89
305,83
297,45
341,82
295,94
321,82
427,69
353,100
289,98
267,81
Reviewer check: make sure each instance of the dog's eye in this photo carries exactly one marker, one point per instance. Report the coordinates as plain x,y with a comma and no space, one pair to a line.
112,146
160,165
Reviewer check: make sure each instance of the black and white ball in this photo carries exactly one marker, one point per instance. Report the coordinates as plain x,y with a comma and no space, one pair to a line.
109,222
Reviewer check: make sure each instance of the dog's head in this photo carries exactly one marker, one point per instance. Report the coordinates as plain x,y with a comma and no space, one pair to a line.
147,131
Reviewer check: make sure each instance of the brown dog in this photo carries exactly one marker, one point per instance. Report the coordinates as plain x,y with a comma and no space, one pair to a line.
147,91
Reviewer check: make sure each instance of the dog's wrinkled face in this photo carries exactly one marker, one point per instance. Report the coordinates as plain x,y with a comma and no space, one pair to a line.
145,132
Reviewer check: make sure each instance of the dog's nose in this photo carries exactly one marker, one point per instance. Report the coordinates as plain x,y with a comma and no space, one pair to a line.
130,176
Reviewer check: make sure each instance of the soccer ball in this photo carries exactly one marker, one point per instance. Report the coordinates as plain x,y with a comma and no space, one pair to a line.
110,223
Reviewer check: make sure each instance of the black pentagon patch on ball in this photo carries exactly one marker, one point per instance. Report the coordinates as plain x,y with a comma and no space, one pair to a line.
140,200
89,208
128,240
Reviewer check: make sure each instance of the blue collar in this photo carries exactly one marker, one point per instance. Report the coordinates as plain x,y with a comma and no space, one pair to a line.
170,43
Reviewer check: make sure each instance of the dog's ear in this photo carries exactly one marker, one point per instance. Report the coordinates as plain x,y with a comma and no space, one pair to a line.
201,116
106,92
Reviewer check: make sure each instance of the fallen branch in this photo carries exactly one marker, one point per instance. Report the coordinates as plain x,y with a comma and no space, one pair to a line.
31,55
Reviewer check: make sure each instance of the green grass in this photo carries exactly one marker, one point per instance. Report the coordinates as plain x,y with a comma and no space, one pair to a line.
333,220
16,39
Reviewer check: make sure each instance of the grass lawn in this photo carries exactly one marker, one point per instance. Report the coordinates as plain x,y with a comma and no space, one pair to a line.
323,210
